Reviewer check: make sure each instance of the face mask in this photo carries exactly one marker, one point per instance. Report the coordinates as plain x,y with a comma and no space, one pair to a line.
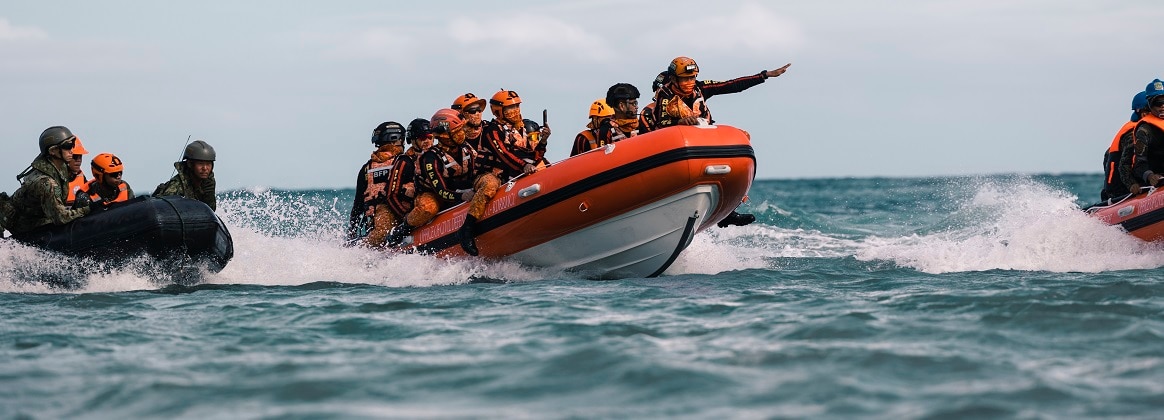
512,115
686,87
458,137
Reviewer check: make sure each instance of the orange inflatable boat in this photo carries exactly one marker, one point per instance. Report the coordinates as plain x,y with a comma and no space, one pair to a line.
1141,215
626,210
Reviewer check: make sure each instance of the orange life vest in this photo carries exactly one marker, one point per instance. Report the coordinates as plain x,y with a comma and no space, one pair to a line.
77,184
1114,152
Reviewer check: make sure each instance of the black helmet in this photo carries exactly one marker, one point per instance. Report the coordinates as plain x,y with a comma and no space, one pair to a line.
621,92
199,150
417,128
660,80
388,132
530,125
53,136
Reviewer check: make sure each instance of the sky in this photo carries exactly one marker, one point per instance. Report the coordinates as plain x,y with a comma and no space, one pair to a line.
288,92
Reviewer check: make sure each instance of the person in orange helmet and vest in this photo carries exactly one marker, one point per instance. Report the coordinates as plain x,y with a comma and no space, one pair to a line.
371,218
449,175
107,186
598,131
513,147
78,184
681,99
471,108
1148,163
1117,161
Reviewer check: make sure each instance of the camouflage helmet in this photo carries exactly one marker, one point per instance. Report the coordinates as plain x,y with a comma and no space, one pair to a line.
54,136
199,150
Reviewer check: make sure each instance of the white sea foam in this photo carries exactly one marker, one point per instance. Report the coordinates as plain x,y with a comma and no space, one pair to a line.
1022,225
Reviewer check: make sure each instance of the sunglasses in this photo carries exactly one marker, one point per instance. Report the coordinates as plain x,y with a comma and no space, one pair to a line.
114,174
473,110
1157,101
67,145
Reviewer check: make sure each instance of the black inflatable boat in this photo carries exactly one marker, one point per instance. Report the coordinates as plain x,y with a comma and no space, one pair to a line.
172,230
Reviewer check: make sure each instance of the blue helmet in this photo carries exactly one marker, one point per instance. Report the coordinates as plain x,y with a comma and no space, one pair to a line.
1140,101
1156,88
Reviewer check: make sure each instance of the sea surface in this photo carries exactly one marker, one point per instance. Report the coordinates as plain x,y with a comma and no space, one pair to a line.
959,297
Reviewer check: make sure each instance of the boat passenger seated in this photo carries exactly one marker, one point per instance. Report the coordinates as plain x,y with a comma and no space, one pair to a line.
1148,162
40,200
195,175
107,186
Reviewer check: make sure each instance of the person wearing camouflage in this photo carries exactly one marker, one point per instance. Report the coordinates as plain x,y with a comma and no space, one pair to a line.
40,200
195,177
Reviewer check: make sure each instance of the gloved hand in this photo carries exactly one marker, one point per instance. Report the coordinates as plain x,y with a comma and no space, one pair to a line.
467,196
1134,188
529,168
1154,179
96,206
82,200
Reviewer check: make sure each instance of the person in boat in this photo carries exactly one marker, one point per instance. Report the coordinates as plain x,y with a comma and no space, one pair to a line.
40,200
624,99
471,109
1148,139
371,219
1117,162
598,132
107,186
681,100
448,175
79,182
647,116
195,175
512,148
402,188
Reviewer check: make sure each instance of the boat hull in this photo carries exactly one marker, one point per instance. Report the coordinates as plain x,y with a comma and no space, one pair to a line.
170,229
1141,216
626,210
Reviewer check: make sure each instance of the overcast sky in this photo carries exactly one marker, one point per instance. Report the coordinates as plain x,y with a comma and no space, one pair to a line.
289,91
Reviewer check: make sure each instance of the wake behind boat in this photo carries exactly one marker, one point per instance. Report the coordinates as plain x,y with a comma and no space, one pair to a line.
625,210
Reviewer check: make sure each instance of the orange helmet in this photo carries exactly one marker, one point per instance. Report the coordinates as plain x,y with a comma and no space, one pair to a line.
444,121
105,163
501,99
683,67
467,100
600,109
79,149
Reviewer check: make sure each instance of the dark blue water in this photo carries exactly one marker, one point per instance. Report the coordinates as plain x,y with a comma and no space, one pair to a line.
988,297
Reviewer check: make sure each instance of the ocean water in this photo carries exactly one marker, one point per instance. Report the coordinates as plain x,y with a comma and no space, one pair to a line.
960,297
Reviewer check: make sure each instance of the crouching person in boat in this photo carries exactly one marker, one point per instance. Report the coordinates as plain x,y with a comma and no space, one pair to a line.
681,100
107,187
471,108
195,175
371,219
449,174
513,147
1148,138
402,179
1117,162
598,131
40,200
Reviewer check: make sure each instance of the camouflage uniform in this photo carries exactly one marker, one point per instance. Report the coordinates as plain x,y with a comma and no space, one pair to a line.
182,184
40,200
